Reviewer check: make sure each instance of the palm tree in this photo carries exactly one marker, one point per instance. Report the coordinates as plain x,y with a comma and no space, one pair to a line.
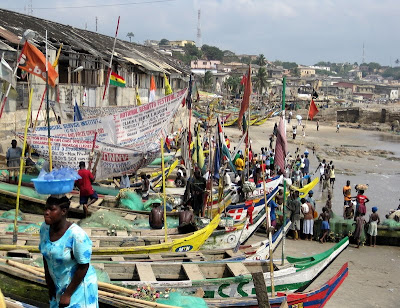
130,35
260,79
261,61
397,62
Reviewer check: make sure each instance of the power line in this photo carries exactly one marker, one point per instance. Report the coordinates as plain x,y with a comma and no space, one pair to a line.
98,5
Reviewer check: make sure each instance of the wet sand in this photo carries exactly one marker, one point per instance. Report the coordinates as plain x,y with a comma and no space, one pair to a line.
362,157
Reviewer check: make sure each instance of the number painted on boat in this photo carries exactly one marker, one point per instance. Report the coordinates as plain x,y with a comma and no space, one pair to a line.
184,248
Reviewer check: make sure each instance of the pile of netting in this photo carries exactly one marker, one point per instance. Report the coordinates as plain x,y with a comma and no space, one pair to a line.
30,229
172,222
391,223
10,215
340,228
105,219
129,199
26,191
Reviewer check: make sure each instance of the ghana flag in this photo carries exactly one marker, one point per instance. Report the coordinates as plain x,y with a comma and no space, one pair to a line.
117,80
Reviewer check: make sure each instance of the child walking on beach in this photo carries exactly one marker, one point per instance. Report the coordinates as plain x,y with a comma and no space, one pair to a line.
325,224
360,221
374,221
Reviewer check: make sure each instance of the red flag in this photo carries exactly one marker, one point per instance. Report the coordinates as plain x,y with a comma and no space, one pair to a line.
33,61
313,110
246,97
281,146
243,81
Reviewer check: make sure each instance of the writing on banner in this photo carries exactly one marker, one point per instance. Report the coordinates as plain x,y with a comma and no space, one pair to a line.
127,140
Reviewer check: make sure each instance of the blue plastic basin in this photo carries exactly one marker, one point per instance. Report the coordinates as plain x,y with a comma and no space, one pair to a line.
53,187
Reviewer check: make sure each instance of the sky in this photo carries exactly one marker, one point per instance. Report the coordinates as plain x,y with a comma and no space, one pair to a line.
302,31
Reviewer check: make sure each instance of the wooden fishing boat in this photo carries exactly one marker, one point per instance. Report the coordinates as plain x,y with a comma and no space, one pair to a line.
262,120
316,298
181,243
230,122
217,279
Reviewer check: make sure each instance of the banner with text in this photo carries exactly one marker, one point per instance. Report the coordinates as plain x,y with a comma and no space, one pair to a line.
126,140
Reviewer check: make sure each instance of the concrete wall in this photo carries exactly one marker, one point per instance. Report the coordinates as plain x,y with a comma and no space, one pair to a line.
351,115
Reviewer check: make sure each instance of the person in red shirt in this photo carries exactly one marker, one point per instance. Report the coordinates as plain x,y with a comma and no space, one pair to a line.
361,200
86,191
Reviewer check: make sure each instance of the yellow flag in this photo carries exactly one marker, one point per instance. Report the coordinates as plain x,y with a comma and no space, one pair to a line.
55,63
168,89
138,101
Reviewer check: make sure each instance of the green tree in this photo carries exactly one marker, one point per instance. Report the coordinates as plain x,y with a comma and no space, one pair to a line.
245,60
130,35
192,51
261,80
207,80
397,62
230,56
212,52
233,83
261,61
163,42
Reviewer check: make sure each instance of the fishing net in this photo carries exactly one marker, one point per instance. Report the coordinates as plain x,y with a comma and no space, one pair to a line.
102,276
26,191
10,215
130,200
178,300
340,228
109,220
391,223
31,228
172,222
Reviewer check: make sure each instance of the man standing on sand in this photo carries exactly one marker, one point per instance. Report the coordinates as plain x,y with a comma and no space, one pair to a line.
310,199
348,207
374,221
13,157
337,128
84,184
317,125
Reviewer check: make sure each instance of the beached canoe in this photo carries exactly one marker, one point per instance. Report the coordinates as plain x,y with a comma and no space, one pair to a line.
220,279
184,243
316,298
230,122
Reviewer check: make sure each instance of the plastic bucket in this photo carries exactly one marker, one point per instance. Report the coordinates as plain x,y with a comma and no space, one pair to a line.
54,187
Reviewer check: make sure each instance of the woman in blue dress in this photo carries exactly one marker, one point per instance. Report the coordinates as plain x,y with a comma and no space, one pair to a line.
66,251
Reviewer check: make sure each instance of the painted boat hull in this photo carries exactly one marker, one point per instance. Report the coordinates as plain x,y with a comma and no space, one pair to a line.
313,299
294,278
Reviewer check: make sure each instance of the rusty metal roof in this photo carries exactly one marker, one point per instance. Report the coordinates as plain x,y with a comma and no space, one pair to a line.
14,24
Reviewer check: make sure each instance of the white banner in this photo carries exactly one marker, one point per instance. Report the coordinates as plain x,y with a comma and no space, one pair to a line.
67,111
127,140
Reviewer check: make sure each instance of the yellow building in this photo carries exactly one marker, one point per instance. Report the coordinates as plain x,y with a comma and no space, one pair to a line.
306,71
181,43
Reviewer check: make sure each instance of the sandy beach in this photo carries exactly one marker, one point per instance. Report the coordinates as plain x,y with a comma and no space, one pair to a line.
362,157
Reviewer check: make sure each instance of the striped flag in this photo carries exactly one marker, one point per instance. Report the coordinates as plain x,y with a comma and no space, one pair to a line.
281,146
246,97
152,95
117,80
224,149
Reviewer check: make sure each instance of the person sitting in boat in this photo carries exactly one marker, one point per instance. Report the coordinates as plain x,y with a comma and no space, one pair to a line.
145,188
197,189
125,181
66,250
186,221
13,157
156,217
87,195
180,181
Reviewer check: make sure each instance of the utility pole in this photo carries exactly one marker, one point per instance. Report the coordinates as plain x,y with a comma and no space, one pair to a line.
96,24
30,8
363,59
199,43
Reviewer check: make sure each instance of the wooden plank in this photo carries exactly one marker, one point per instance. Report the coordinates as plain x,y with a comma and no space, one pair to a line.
117,258
145,272
154,256
231,253
193,271
195,256
261,290
130,217
97,202
21,242
122,233
74,205
237,269
88,231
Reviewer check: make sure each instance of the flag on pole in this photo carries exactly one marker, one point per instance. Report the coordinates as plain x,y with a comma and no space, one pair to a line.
246,97
152,95
138,101
189,95
77,113
168,89
6,73
117,80
222,144
281,146
313,110
33,61
55,63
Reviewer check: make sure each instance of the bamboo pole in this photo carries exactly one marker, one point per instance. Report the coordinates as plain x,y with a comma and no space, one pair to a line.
268,228
134,300
21,169
284,181
163,189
